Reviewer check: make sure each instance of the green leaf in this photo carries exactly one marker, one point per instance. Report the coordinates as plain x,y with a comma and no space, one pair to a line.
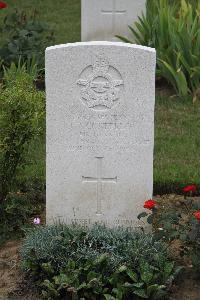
138,285
71,264
124,39
142,215
120,294
47,267
146,272
104,257
168,268
122,269
152,289
133,285
177,271
183,237
150,219
62,279
141,293
13,48
177,78
196,203
132,275
168,225
109,297
91,275
82,286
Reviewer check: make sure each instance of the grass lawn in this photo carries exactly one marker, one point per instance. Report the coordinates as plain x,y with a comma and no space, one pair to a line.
177,142
177,126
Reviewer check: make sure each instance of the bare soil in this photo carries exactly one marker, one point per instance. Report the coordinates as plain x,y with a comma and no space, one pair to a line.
187,288
9,270
12,283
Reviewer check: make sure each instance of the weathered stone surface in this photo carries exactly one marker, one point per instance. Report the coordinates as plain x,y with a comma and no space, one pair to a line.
100,132
104,19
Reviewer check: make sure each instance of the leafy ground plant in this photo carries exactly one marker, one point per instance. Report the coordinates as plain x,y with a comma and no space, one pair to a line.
97,263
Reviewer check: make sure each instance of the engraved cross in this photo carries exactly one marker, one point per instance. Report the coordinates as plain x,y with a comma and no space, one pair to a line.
99,180
114,12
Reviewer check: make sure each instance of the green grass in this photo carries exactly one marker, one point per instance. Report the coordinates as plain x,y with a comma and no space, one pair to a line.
177,141
177,126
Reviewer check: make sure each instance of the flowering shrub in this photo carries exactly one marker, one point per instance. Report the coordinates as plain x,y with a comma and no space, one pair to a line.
181,224
150,204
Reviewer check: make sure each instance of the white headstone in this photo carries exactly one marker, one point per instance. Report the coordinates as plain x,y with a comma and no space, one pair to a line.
100,132
104,19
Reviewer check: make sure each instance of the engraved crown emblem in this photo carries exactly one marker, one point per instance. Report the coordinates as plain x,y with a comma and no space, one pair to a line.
100,84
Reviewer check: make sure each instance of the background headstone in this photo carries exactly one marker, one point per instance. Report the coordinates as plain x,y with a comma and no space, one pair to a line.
101,20
100,132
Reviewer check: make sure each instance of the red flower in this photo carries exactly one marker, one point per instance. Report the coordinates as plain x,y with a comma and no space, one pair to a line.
190,188
197,215
2,5
149,204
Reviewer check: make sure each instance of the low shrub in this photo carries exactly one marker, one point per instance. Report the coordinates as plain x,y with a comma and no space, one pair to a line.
172,28
21,120
97,263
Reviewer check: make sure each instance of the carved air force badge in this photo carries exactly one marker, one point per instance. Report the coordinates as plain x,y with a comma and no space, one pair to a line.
101,85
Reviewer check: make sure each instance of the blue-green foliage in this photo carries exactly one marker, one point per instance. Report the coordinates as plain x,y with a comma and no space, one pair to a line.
97,263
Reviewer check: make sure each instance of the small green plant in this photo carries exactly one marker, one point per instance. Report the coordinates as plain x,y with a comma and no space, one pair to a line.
17,72
97,263
21,119
173,30
16,211
27,38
